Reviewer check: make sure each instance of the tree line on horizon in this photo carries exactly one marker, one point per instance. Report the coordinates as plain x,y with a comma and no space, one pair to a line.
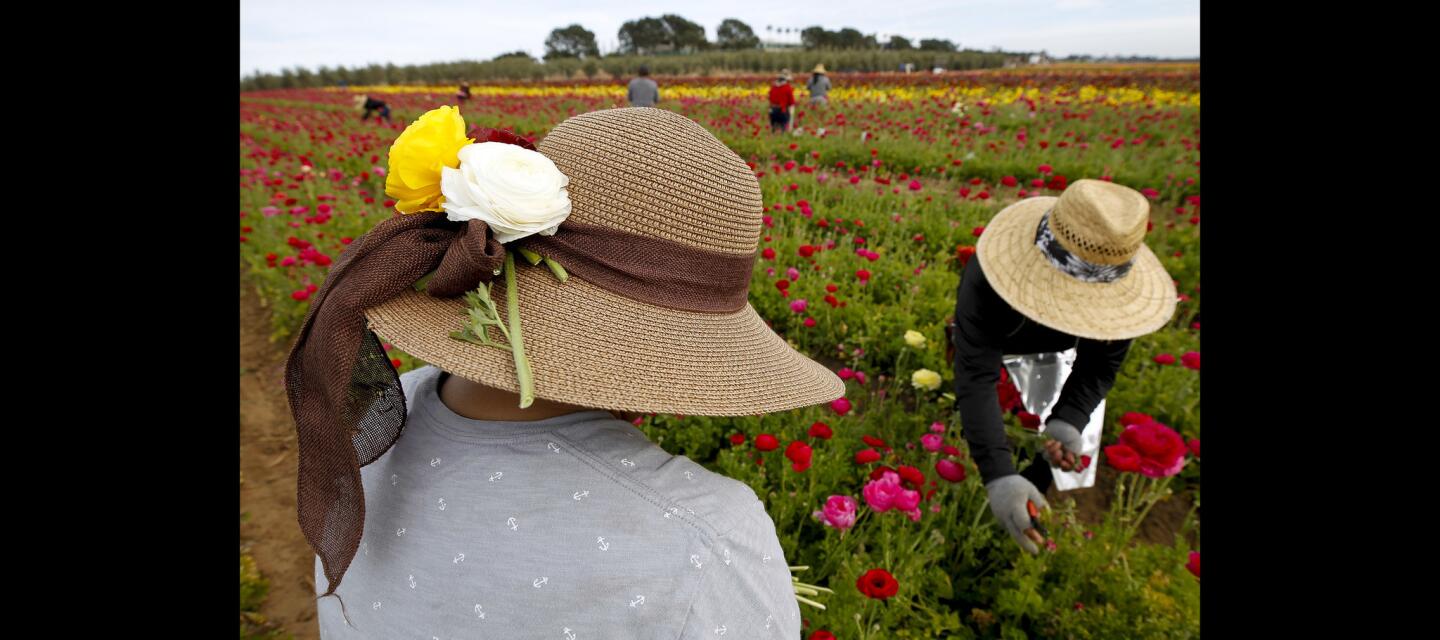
669,45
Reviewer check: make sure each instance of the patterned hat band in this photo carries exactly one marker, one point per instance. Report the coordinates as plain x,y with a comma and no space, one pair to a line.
1073,265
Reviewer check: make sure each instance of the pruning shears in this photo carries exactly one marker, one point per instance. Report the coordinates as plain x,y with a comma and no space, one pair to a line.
1035,518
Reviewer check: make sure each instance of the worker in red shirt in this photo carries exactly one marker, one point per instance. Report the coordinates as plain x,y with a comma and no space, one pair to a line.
782,101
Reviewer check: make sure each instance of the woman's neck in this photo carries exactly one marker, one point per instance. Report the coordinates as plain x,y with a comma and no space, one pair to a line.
479,402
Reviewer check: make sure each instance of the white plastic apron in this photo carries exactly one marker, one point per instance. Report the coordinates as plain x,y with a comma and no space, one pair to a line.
1040,378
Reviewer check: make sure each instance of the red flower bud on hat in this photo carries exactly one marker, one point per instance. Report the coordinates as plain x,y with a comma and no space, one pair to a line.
766,442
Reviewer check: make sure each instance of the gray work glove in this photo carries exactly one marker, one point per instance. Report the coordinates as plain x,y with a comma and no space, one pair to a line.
1007,502
1063,434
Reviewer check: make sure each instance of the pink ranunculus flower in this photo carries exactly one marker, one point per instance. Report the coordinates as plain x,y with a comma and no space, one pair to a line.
792,273
845,373
1161,449
887,493
860,375
839,512
931,441
937,427
798,306
841,406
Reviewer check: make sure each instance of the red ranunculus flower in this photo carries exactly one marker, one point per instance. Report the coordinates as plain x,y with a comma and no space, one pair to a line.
874,442
799,454
806,251
1191,360
950,450
1193,565
737,439
866,456
877,584
950,470
1161,449
1029,420
1194,445
964,254
880,472
1165,359
841,405
822,635
768,253
766,442
1122,457
911,477
1134,417
821,430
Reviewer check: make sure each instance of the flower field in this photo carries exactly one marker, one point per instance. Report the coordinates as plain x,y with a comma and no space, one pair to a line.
874,205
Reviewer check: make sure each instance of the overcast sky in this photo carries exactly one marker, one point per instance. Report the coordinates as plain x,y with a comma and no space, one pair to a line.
283,33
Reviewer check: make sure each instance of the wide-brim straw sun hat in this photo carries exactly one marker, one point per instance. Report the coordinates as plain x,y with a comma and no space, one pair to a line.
654,173
1096,279
819,68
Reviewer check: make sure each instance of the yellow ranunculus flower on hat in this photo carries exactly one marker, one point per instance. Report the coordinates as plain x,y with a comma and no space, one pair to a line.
925,379
427,145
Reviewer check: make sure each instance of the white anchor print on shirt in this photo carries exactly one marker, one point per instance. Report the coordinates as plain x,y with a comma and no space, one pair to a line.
510,522
400,532
603,543
435,462
412,581
569,635
727,557
578,495
442,504
479,612
497,475
720,630
541,580
639,600
554,447
627,462
695,560
375,606
690,475
766,559
394,479
459,557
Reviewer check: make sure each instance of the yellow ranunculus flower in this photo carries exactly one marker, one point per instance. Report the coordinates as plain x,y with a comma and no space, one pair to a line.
429,143
914,338
925,379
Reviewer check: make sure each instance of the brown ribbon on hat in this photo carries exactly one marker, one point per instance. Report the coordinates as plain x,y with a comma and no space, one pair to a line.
345,395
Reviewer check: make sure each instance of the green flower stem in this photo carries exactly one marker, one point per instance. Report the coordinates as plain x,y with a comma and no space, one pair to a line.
517,341
530,256
556,269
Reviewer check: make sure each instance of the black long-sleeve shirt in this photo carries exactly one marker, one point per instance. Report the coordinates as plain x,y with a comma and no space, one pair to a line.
986,330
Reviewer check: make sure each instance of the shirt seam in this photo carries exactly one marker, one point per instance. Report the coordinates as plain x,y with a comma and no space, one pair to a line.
690,607
634,486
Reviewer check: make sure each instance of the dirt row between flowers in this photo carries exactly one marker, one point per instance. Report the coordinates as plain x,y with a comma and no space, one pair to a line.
268,467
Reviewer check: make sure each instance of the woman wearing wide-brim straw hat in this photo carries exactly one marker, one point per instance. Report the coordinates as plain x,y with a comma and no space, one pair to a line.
1056,291
605,270
819,86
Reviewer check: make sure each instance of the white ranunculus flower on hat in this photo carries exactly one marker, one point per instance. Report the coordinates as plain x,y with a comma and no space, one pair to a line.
516,191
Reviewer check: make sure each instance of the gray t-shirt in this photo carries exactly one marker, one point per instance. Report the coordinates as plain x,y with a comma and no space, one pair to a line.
572,528
644,92
819,87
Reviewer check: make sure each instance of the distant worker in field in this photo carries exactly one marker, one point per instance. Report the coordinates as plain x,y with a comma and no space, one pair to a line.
819,86
373,105
782,102
464,95
643,91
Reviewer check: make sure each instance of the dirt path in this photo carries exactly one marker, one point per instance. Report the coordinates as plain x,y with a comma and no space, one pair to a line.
267,465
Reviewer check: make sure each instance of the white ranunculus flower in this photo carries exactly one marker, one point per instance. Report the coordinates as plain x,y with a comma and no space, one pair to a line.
516,191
